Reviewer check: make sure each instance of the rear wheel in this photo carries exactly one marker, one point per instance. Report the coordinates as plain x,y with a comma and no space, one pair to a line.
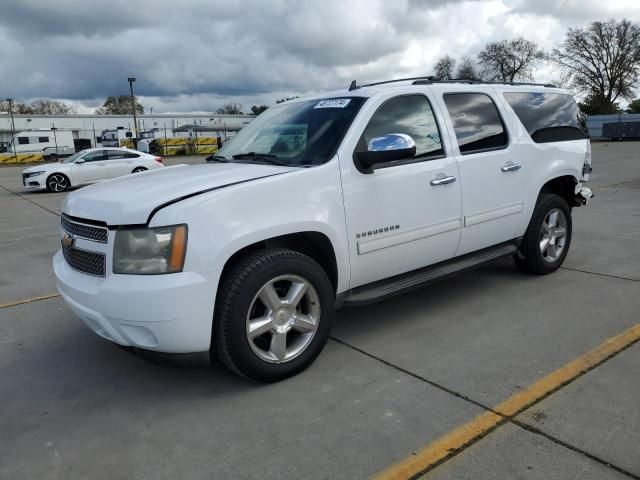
548,237
57,182
273,315
139,169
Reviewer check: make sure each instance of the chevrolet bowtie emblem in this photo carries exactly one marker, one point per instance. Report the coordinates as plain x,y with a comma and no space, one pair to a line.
67,241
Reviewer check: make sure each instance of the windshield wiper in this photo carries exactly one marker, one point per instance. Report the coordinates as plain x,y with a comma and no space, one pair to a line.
217,158
260,157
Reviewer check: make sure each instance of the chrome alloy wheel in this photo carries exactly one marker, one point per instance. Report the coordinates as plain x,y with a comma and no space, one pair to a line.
57,182
553,235
283,318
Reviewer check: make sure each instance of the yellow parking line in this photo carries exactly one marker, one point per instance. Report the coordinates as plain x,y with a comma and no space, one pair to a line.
29,300
449,444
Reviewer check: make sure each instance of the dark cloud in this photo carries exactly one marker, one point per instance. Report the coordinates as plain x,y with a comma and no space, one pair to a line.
208,50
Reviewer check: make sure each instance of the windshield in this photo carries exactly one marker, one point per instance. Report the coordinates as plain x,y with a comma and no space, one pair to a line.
294,134
72,158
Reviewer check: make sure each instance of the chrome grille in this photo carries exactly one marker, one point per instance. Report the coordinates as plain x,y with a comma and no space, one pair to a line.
84,261
82,230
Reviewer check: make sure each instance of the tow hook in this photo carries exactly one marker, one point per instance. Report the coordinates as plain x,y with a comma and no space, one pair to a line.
583,194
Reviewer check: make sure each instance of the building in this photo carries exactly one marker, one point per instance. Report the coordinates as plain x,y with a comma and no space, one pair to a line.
91,126
596,122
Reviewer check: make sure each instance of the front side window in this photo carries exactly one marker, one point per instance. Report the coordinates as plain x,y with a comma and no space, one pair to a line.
43,139
476,122
548,117
408,114
23,140
297,134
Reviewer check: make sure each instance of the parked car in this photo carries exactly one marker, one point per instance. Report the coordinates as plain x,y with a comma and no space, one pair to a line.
341,199
88,166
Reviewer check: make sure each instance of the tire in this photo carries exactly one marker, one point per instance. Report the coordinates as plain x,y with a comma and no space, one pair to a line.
548,237
139,169
52,158
58,182
305,323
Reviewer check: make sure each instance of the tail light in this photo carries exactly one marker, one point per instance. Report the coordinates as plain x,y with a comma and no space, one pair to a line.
158,159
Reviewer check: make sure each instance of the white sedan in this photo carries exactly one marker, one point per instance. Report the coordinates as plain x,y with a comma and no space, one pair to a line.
88,166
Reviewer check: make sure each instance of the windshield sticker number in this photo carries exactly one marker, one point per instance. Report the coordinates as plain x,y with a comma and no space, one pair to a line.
333,103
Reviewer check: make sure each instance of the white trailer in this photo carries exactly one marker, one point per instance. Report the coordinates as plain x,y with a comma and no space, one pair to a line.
52,144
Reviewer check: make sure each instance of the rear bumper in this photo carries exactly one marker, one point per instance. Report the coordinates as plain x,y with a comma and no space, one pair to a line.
161,313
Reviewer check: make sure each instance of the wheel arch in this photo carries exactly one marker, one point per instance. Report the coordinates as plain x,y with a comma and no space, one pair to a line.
563,185
311,243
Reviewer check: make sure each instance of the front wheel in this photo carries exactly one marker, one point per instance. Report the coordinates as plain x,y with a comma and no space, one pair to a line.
546,242
273,315
58,182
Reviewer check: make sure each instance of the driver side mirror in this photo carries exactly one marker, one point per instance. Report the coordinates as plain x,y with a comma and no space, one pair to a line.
387,148
80,160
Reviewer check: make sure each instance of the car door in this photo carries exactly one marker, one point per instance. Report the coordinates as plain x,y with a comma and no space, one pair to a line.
120,162
492,177
406,214
92,168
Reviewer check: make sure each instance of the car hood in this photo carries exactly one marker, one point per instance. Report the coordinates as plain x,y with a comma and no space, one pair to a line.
132,199
47,167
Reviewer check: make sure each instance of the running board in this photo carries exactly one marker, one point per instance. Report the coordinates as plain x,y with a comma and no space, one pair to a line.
382,289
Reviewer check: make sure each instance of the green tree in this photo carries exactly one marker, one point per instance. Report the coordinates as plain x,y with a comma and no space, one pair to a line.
634,107
597,105
119,105
467,69
258,110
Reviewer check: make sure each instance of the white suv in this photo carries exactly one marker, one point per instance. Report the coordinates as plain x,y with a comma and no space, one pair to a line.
339,199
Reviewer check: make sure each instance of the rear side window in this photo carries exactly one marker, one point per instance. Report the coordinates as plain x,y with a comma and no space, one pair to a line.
476,122
548,117
43,139
23,140
409,114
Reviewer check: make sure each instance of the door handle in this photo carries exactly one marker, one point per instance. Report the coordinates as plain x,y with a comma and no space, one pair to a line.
511,167
442,180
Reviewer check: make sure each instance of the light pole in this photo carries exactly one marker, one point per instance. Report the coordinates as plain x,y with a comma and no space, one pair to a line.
133,109
13,129
55,139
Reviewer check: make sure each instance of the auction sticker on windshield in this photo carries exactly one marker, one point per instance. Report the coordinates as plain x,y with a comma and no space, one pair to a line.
333,103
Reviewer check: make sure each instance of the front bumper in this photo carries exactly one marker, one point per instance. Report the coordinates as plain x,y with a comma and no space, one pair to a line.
170,313
38,182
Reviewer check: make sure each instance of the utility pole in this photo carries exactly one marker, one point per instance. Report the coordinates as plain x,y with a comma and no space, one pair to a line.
55,139
133,109
13,129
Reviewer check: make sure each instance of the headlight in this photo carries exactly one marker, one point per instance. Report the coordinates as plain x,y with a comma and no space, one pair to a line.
149,251
33,174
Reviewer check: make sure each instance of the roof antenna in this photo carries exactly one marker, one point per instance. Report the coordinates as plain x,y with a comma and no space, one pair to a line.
353,86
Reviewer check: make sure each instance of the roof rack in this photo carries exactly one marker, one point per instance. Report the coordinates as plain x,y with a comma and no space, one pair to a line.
429,80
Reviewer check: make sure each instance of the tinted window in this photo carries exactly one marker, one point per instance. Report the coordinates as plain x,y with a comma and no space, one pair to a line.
548,117
23,140
94,156
116,154
476,121
43,139
132,155
409,114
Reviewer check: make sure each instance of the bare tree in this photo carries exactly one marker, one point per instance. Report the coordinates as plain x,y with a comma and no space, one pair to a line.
48,106
18,107
601,61
467,69
510,60
444,67
230,109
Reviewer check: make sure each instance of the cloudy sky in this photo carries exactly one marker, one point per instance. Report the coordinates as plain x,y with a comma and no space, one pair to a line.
195,55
